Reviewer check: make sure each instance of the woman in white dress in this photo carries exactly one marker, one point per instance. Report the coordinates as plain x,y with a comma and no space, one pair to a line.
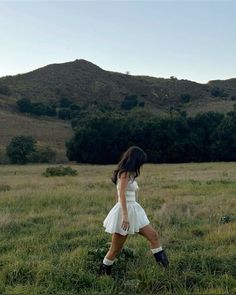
128,216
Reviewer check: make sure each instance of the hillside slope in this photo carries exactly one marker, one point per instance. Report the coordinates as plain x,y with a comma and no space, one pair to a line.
84,82
46,131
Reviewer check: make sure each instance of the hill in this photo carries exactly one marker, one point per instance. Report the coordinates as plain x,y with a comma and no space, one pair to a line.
84,82
86,85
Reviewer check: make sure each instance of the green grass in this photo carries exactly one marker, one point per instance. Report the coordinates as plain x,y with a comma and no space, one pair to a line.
52,239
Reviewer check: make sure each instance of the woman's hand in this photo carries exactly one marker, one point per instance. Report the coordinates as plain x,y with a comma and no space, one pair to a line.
125,222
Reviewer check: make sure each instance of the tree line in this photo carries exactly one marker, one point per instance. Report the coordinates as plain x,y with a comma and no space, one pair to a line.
65,109
100,138
207,137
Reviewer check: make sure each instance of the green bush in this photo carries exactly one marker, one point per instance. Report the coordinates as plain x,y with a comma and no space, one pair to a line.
64,114
129,102
19,149
24,105
185,97
23,149
59,171
65,102
43,155
218,92
4,89
37,108
228,218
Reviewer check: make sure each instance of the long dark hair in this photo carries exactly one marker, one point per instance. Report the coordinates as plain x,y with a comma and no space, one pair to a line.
131,161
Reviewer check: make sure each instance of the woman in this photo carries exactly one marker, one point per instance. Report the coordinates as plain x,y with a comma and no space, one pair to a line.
127,216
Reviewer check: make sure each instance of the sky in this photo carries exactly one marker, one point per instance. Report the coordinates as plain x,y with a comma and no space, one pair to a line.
194,40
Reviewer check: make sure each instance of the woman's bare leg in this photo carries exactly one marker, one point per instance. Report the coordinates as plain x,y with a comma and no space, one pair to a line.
151,235
118,241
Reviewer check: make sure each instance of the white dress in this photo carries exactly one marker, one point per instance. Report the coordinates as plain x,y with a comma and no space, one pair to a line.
136,214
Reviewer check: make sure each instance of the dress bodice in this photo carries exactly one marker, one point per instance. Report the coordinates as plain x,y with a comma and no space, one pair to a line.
132,186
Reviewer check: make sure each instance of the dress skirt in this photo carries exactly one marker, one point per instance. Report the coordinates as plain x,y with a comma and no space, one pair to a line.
136,214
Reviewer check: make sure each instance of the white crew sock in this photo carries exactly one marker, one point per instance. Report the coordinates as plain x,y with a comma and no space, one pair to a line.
155,250
108,261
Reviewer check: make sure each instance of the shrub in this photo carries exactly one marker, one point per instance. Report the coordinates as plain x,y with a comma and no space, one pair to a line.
74,114
37,108
218,92
173,78
64,114
20,148
59,171
228,218
65,102
129,102
4,89
43,155
24,105
41,109
185,97
75,107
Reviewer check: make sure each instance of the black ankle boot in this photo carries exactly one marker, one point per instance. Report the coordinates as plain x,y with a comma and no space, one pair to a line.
105,269
161,258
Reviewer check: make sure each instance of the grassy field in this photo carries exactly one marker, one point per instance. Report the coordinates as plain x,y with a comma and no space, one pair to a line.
46,130
52,239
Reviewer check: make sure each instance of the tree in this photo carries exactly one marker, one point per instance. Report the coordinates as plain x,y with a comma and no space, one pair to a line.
37,108
218,92
224,146
4,89
20,148
185,97
24,105
64,114
75,107
65,102
43,155
129,102
173,78
203,127
98,140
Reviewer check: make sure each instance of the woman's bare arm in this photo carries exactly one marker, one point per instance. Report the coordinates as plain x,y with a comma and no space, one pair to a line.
123,183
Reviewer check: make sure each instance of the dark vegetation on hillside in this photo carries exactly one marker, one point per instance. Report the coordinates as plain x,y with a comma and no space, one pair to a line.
207,137
24,149
111,111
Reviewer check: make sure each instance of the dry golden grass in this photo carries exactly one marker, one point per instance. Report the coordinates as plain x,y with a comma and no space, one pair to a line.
210,105
47,131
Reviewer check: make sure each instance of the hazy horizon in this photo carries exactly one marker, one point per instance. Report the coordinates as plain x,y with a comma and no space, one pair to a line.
193,40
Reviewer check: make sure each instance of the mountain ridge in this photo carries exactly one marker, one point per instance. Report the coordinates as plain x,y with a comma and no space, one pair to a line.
85,83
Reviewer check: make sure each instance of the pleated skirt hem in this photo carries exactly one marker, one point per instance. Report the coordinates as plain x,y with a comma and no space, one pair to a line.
137,219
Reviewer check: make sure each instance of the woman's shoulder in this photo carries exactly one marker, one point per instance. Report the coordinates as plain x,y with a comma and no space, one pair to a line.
131,179
125,174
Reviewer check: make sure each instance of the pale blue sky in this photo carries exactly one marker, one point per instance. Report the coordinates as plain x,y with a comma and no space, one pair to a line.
194,40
